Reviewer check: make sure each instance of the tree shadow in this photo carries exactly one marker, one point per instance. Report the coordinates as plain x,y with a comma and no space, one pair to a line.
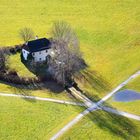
117,125
26,90
96,81
49,85
120,126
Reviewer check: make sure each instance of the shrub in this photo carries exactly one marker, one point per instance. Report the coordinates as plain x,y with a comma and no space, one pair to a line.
12,72
12,50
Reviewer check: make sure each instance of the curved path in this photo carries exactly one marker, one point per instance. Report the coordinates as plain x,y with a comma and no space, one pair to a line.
95,107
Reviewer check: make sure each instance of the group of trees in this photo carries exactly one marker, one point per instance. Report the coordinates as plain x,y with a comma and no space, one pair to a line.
67,60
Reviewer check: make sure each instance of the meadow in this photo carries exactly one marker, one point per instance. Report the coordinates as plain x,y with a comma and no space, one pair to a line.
31,119
102,125
108,31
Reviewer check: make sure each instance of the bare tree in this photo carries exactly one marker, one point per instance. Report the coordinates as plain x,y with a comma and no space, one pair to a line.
26,34
67,60
2,60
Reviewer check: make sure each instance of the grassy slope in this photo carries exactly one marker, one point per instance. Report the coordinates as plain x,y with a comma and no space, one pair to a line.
14,62
101,125
131,107
23,119
108,32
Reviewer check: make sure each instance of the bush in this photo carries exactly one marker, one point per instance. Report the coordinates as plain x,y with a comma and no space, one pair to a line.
12,77
12,50
18,48
12,72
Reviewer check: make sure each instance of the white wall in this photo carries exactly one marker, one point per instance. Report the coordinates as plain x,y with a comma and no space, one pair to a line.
25,54
41,55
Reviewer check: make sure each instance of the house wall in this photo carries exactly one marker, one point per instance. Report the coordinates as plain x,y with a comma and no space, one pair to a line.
25,54
41,55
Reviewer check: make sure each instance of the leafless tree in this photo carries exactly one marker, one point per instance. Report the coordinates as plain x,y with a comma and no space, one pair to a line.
2,60
26,34
67,60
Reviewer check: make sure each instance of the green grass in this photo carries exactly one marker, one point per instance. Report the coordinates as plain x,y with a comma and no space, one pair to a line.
109,39
134,84
14,62
101,125
130,107
43,92
108,32
30,119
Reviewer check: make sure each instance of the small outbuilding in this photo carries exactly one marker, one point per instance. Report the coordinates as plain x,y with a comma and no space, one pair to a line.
39,49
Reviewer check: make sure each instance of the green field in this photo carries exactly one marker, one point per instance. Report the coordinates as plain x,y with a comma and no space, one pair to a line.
108,32
42,92
30,119
134,84
14,62
101,125
109,35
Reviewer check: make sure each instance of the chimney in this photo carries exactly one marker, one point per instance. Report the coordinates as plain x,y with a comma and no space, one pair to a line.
36,37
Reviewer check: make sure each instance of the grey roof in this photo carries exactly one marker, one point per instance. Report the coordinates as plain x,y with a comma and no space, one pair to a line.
38,45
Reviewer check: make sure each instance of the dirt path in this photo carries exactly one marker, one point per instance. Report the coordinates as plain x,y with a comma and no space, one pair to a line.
42,99
95,106
78,95
121,113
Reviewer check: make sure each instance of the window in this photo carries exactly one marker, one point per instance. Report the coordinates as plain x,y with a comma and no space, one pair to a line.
40,59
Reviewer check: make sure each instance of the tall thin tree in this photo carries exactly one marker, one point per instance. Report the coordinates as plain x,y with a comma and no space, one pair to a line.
26,34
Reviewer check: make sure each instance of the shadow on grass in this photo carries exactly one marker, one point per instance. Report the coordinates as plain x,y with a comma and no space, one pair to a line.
26,90
96,81
115,124
49,85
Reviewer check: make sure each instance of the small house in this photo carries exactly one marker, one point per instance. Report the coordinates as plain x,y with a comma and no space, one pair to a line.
39,49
